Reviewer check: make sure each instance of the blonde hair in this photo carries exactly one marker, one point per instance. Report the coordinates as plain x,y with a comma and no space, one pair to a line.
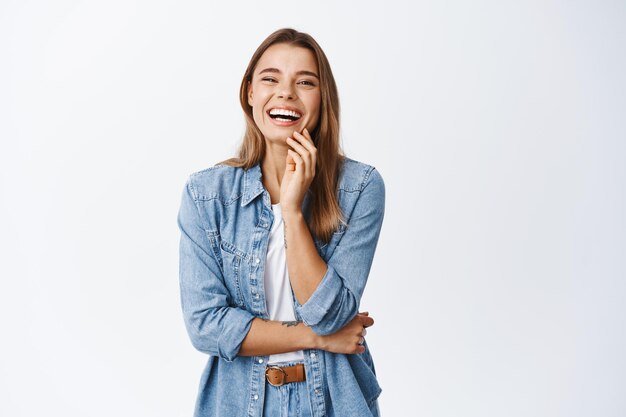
325,215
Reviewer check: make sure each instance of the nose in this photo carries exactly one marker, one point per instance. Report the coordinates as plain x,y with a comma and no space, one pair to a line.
285,91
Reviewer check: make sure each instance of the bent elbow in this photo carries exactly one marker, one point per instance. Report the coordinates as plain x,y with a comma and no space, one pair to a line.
219,331
338,316
202,334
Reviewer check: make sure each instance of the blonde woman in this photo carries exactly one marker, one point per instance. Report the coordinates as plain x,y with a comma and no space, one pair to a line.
276,248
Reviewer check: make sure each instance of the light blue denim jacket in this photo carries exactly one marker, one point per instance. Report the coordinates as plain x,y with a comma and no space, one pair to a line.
225,219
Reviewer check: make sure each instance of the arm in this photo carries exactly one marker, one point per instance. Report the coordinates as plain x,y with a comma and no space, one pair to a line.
218,329
328,296
213,326
267,337
306,267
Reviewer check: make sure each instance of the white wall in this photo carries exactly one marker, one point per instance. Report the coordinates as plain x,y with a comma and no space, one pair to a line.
499,285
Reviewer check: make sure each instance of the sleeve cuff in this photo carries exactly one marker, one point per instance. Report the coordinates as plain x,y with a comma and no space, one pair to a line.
235,329
322,299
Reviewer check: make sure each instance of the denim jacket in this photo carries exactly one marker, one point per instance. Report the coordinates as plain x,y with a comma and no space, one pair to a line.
225,218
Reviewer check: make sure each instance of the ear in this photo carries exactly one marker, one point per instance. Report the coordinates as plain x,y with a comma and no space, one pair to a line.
249,93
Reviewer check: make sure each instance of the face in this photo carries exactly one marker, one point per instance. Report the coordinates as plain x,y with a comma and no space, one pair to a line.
285,92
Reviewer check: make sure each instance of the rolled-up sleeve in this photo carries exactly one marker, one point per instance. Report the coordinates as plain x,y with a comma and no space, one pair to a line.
337,297
214,326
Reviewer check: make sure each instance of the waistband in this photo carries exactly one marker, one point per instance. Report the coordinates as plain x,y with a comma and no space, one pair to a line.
284,373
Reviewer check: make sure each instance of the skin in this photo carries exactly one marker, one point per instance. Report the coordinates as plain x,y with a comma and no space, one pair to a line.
288,169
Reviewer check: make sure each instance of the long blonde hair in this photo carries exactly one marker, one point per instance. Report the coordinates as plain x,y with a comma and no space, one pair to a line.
325,215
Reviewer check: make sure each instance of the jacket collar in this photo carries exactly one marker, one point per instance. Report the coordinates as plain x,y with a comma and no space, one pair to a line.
252,184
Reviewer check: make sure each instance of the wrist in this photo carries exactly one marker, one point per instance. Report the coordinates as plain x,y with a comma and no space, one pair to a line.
314,341
291,215
320,342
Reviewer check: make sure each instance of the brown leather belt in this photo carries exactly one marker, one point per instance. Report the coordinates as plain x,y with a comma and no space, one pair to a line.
278,376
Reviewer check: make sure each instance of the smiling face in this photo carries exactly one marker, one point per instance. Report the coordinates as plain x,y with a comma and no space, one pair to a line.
285,91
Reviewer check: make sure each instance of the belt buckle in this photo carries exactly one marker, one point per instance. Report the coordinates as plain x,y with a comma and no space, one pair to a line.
282,382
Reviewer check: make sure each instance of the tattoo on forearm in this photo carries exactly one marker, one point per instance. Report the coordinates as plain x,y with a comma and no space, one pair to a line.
285,235
291,323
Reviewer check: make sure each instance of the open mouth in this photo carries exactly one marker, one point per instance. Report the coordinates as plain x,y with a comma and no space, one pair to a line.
284,115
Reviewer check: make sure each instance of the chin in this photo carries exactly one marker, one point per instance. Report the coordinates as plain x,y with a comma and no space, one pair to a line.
276,137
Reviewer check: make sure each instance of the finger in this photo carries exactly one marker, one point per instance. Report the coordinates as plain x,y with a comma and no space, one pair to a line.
308,142
303,152
305,149
365,317
298,143
290,163
306,133
296,158
367,321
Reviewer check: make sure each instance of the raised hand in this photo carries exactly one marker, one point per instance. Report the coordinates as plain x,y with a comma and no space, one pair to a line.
299,171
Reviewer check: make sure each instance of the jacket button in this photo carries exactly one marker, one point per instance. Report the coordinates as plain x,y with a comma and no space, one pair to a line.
260,360
256,396
257,260
312,354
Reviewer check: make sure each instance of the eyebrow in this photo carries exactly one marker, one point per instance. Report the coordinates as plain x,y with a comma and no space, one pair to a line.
302,72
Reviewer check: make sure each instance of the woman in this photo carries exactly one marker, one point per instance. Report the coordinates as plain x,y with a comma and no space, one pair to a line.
276,247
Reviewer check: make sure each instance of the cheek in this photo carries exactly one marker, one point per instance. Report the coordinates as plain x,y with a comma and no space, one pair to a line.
314,105
257,110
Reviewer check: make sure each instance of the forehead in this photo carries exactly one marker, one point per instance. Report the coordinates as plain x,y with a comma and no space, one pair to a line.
287,58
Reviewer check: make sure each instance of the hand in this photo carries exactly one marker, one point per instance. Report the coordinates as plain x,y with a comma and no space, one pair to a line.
350,338
299,172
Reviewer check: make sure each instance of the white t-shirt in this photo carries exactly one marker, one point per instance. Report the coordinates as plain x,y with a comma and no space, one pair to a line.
278,293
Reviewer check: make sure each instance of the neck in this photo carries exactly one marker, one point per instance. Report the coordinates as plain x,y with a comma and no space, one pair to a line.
273,168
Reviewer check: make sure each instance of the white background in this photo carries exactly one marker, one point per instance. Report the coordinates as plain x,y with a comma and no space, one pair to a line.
499,284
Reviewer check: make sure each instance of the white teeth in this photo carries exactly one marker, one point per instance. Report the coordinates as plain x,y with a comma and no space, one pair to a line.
285,112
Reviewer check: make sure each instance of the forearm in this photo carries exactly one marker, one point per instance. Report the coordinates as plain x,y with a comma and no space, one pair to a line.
306,268
268,337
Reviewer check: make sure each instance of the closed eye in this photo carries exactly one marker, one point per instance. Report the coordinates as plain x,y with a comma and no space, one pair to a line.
305,82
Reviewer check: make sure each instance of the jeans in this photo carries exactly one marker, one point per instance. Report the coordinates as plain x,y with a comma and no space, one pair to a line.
288,400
